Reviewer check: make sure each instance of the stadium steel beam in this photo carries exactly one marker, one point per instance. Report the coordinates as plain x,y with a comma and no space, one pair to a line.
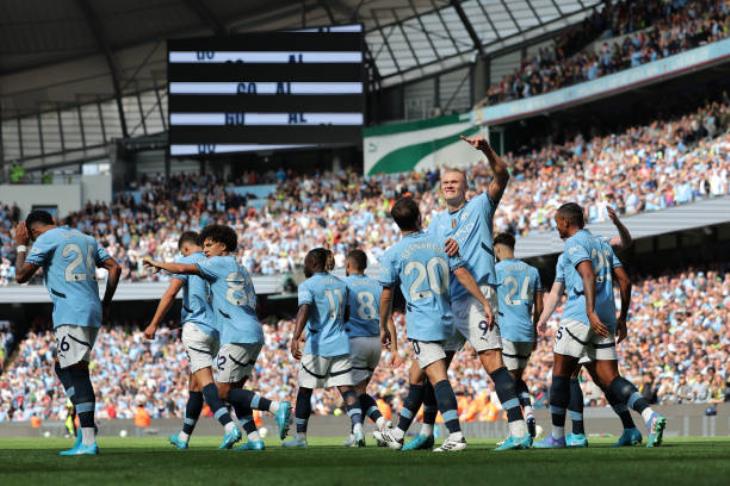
560,10
405,37
95,25
423,28
512,17
469,28
385,41
207,16
446,28
534,12
489,19
328,10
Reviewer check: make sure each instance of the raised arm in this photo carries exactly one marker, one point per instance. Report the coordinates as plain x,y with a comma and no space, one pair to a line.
301,321
624,285
466,279
499,167
624,239
23,271
163,307
585,269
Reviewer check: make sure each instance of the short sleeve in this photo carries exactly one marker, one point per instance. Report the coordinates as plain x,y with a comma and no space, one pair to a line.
576,253
208,269
100,255
304,294
388,274
486,205
559,272
41,252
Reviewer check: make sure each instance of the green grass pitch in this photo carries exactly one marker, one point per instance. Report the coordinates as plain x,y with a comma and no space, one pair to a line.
151,461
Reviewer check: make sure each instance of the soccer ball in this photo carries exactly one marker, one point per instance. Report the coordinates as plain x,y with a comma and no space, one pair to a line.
123,433
263,432
47,434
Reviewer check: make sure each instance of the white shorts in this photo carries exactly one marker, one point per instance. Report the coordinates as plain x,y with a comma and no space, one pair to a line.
470,325
200,347
578,340
428,352
74,343
516,354
235,362
325,371
365,356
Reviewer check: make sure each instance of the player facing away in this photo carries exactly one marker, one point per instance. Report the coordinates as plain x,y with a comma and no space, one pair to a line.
325,362
589,326
241,335
363,327
419,265
520,304
199,331
467,225
630,435
69,260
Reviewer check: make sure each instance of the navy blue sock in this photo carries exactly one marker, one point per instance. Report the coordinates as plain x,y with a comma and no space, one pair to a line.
245,416
303,409
192,411
575,406
523,393
83,397
623,391
250,399
447,405
352,403
218,406
410,406
622,411
505,387
370,407
559,399
430,407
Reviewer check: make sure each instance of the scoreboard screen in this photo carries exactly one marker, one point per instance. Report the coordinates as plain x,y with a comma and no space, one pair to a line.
265,91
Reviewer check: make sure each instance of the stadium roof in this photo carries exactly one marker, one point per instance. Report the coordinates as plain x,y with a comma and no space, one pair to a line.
62,52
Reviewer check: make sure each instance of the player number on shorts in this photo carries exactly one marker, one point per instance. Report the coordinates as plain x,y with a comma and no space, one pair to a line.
89,272
334,297
236,293
438,282
62,344
366,306
513,286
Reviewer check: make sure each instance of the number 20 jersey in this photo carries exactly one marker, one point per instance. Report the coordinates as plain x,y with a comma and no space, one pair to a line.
364,303
69,259
420,266
234,300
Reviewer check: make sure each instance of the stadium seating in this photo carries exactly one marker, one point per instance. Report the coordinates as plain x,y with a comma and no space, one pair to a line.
678,353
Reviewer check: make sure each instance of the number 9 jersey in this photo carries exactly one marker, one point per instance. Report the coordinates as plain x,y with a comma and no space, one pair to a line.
69,259
234,300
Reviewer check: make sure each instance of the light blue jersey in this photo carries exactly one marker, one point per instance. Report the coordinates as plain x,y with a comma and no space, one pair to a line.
69,259
471,227
234,300
518,284
195,302
326,296
419,265
580,247
364,303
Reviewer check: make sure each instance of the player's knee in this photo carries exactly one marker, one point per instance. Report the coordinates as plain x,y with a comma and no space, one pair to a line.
223,390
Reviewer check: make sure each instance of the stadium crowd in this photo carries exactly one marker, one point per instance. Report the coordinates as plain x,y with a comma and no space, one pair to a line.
645,168
658,30
677,352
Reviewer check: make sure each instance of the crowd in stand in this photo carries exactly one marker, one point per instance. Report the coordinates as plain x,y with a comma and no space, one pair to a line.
658,30
645,168
677,352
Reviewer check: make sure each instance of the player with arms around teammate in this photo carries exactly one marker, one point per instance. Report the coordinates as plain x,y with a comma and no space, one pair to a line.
326,361
589,326
466,225
520,305
199,332
241,335
419,265
630,435
363,327
69,260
